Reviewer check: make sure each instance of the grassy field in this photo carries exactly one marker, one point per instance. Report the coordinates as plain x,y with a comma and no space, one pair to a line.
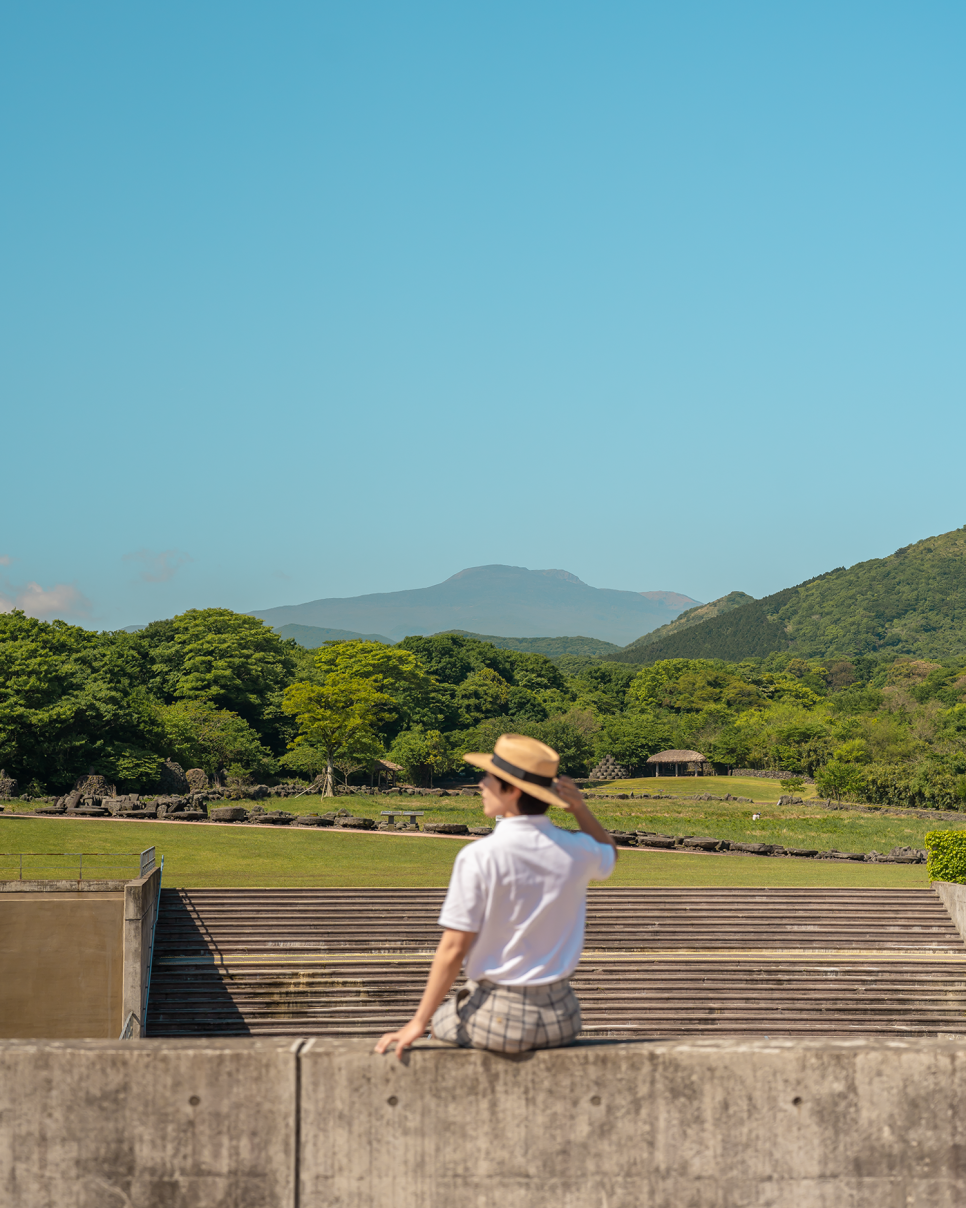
202,855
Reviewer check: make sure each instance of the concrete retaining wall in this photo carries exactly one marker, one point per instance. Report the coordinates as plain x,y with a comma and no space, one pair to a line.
147,1124
280,1124
74,955
61,961
954,899
141,900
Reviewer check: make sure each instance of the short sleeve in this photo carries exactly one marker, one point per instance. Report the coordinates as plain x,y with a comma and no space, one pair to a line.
608,858
465,903
598,859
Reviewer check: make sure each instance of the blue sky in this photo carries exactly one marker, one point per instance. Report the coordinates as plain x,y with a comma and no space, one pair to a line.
312,299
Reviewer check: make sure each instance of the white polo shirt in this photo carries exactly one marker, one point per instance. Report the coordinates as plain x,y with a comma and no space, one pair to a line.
523,890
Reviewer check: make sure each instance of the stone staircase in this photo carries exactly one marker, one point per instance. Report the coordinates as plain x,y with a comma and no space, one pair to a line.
656,962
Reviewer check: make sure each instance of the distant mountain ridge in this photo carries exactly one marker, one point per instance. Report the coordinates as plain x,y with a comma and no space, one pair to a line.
912,602
504,600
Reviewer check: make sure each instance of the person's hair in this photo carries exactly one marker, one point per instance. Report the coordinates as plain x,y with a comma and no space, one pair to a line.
526,804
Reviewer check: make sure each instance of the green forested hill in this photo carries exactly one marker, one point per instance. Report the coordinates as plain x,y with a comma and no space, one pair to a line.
693,616
552,647
911,603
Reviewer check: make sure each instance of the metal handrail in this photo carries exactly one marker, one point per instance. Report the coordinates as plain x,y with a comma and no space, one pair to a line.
79,857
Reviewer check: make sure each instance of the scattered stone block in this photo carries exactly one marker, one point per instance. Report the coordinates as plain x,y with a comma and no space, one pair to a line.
229,813
908,855
705,844
312,820
648,840
353,823
446,828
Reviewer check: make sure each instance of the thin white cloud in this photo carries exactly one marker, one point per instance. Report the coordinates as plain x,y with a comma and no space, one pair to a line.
158,567
5,559
61,600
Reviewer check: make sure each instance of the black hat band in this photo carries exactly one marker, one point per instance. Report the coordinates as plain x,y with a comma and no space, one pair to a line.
521,773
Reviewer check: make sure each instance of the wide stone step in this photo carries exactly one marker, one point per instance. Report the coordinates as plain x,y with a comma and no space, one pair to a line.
656,962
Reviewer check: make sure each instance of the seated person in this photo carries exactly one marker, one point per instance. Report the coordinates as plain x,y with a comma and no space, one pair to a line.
514,912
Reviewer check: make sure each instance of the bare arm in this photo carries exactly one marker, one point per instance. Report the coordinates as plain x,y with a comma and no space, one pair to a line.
444,970
565,788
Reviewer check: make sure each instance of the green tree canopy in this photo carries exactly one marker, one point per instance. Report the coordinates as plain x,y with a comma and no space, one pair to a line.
233,661
70,700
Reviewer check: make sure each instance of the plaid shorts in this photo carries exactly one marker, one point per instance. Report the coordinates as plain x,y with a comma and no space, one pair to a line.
509,1019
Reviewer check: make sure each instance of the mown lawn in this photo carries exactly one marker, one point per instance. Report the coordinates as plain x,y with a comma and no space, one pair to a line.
204,855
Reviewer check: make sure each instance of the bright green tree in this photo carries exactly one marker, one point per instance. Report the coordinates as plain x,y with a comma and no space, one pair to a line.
334,716
202,736
423,754
359,687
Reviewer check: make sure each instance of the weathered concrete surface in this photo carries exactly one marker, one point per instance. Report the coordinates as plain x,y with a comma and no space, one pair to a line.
704,1124
141,899
700,1124
61,962
954,899
147,1124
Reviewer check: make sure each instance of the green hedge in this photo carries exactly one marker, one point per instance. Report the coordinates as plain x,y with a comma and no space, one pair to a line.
947,856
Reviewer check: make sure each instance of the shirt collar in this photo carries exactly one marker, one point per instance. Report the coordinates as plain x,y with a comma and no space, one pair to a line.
533,819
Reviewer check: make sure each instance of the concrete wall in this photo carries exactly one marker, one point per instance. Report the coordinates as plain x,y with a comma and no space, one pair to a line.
954,899
147,1124
61,961
141,900
74,955
252,1123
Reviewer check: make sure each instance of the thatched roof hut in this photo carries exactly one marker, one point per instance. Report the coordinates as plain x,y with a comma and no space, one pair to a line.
385,768
679,763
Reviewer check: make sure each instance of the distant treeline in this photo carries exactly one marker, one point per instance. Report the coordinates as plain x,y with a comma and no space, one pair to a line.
222,691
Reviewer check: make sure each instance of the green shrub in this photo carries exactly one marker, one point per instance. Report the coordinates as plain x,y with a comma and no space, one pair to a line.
947,856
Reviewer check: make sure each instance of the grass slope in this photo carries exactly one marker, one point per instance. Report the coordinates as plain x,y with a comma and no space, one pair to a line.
911,603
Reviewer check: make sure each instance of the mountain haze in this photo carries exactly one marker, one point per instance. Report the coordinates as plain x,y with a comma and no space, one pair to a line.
508,601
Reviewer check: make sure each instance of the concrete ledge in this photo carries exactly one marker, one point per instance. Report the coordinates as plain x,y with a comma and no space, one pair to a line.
954,899
62,886
691,1124
709,1124
147,1124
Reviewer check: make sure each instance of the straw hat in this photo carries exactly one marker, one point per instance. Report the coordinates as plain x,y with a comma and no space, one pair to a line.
525,762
